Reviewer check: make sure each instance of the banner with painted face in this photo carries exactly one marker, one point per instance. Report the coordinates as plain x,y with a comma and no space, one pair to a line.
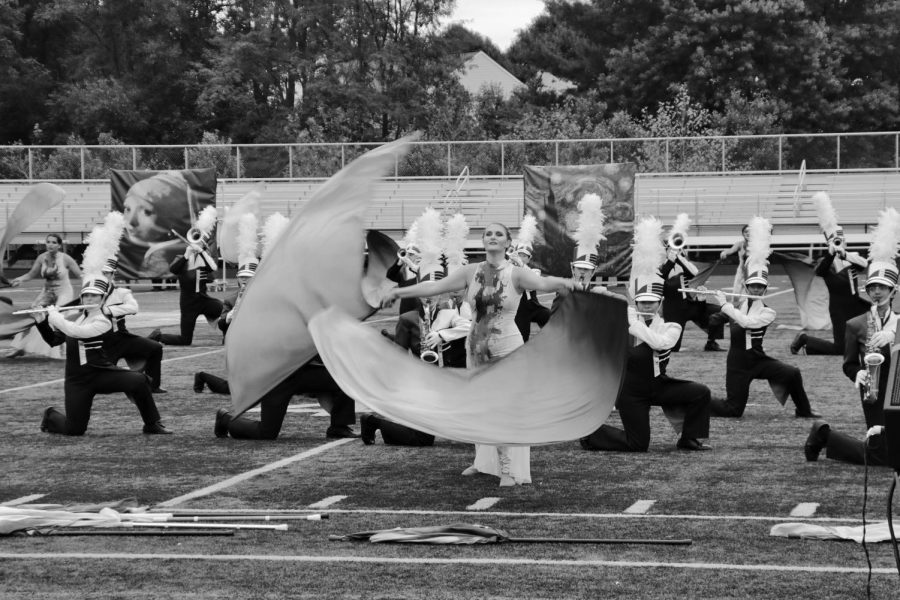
552,195
154,204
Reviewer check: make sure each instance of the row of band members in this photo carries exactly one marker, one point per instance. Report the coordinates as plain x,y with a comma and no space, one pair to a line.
98,338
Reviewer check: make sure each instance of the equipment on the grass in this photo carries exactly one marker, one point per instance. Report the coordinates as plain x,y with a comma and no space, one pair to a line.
892,412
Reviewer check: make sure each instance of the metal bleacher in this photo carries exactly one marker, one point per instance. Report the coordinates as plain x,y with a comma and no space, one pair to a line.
718,204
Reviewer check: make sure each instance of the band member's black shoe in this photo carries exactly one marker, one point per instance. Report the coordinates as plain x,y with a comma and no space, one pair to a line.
818,438
223,418
691,444
198,383
156,429
340,431
45,419
159,390
810,414
712,346
155,335
367,429
798,343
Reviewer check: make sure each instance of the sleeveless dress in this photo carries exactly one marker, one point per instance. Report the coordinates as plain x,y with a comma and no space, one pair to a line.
494,301
57,290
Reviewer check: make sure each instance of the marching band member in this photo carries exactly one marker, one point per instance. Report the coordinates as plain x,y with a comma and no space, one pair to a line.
89,370
750,318
405,272
681,307
646,382
839,269
194,270
247,243
530,308
446,324
869,338
493,288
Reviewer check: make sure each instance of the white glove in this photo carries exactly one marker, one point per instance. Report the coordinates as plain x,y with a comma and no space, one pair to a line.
881,338
433,340
632,316
862,378
229,316
599,289
672,254
717,298
723,255
876,430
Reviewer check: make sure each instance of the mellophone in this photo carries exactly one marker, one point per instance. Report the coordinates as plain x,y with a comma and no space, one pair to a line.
33,311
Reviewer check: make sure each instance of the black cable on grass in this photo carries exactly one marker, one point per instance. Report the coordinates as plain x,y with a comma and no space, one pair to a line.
865,500
890,519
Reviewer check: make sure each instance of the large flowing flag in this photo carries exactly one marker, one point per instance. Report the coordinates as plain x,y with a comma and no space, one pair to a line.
560,386
38,200
316,263
11,324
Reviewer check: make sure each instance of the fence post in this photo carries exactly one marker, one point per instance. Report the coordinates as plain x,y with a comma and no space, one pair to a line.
237,163
30,166
81,153
291,163
186,159
611,154
667,155
449,168
133,158
723,155
556,152
780,150
502,159
838,152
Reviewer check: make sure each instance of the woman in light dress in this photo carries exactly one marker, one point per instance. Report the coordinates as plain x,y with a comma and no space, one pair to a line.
493,289
54,266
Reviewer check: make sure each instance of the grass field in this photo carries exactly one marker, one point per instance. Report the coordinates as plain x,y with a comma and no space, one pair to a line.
725,500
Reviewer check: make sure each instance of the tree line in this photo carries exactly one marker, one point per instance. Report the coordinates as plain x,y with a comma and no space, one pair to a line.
288,71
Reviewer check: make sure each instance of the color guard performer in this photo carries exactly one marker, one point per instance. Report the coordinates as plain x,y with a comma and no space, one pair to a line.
869,338
840,270
646,382
750,318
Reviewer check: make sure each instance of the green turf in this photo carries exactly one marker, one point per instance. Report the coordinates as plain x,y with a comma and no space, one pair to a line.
725,500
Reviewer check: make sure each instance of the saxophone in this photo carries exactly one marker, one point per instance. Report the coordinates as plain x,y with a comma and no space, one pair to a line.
426,354
872,359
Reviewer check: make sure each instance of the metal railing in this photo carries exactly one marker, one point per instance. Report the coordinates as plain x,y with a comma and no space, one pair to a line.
291,162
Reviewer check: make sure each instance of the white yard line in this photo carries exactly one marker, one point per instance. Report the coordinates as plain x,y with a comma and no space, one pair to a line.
212,489
22,500
640,507
167,360
326,502
483,503
447,561
805,509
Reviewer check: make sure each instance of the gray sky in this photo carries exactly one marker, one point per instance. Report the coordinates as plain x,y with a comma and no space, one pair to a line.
498,20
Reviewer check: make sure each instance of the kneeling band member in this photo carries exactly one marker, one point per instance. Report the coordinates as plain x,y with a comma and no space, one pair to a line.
647,384
88,369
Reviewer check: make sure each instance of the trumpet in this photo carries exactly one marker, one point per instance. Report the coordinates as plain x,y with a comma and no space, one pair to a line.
676,241
873,361
837,242
34,311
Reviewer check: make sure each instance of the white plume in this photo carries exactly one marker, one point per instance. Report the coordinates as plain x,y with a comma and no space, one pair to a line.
885,237
103,243
429,230
272,230
682,224
456,232
528,230
759,244
649,252
589,232
248,238
206,220
411,236
828,219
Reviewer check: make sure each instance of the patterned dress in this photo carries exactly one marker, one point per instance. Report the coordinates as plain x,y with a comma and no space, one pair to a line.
57,290
495,300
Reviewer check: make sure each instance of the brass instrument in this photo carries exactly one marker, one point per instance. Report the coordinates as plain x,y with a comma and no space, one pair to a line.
676,241
837,242
873,361
426,354
33,311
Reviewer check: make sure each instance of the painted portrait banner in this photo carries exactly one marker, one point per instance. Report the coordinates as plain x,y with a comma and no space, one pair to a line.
552,195
155,203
